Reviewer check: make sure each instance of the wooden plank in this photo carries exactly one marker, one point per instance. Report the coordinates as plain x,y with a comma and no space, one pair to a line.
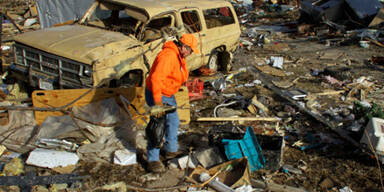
238,119
182,99
328,93
63,97
379,18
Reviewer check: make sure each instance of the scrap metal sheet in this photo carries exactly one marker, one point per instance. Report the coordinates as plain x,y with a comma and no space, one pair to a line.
58,11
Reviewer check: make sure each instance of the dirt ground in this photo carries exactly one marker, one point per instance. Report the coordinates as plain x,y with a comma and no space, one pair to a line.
330,166
338,164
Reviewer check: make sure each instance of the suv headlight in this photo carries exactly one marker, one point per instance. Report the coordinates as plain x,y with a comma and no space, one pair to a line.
87,71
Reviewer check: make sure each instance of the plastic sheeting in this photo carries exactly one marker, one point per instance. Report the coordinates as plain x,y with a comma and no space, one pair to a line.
58,11
18,134
109,129
21,132
104,117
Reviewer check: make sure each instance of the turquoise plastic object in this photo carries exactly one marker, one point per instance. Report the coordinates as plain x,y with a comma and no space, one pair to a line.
247,147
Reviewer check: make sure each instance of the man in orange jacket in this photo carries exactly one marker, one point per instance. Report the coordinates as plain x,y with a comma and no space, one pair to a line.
169,71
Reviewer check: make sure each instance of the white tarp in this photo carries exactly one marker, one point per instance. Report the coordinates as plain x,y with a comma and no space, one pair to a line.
58,11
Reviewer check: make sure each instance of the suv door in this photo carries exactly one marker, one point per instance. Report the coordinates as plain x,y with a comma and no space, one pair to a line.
191,19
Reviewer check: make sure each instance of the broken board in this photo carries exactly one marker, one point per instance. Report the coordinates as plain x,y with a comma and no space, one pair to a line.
182,100
63,97
271,71
378,19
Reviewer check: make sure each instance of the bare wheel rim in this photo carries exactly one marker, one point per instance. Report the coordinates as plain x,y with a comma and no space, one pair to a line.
213,62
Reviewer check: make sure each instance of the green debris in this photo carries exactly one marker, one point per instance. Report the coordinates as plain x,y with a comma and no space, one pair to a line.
362,111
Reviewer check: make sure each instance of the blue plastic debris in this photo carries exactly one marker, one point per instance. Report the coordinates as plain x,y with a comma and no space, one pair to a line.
248,147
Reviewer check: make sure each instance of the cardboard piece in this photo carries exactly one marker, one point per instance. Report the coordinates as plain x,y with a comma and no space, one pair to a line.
125,157
234,173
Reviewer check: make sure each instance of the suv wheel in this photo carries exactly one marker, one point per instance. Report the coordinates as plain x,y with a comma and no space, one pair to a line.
225,61
213,62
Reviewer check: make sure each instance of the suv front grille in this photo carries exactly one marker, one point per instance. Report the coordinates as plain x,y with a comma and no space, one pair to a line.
71,66
52,65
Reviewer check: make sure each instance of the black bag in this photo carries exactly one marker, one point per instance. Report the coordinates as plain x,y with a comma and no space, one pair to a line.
155,130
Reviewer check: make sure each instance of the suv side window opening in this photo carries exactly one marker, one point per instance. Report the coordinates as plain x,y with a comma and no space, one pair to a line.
191,21
153,30
218,17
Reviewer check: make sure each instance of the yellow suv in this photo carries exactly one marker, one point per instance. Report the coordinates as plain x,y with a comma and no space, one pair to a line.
116,41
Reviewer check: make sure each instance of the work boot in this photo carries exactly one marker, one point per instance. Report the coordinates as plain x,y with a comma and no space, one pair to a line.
156,167
170,155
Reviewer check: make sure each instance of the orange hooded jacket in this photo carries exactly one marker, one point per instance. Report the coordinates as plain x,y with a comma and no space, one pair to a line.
168,72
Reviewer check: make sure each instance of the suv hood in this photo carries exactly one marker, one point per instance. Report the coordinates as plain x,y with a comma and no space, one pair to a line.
77,42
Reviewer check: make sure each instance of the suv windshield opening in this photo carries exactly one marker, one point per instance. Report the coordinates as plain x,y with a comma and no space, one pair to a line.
113,18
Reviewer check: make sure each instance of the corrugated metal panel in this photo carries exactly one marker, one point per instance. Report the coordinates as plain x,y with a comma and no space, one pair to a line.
58,11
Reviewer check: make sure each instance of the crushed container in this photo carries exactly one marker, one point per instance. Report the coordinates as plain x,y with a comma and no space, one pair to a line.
374,136
272,150
195,88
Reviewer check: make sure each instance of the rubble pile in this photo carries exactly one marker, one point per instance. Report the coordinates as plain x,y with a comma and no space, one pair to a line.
301,110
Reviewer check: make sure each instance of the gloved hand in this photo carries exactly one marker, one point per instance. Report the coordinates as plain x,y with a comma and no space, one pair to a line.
159,114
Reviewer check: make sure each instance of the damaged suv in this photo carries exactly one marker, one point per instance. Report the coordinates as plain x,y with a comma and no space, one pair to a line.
116,42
